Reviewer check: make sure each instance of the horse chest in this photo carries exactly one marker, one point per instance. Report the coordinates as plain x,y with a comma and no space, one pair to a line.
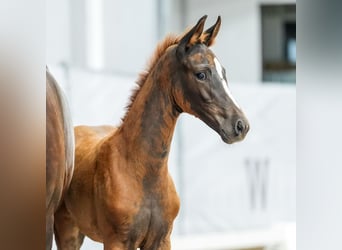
143,211
150,225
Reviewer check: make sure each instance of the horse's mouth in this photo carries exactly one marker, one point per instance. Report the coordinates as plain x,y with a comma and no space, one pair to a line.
225,137
230,139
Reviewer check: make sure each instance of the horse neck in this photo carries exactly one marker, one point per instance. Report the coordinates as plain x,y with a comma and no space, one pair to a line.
148,126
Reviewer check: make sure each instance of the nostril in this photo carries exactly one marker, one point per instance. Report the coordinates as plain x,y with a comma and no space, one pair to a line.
239,127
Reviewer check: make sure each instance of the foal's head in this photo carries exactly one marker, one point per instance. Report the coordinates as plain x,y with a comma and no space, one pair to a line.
200,84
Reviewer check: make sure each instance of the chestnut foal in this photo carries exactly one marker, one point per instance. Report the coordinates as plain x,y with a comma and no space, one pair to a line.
121,193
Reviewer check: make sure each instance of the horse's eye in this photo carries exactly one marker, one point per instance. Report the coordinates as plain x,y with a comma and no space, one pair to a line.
201,76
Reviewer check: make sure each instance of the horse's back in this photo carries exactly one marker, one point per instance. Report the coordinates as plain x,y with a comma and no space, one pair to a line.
91,136
94,133
88,140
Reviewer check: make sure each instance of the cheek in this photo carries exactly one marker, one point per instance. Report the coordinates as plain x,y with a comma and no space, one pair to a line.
181,100
206,93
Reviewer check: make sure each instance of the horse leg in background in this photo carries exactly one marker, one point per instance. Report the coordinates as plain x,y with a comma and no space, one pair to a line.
115,246
114,241
67,234
49,231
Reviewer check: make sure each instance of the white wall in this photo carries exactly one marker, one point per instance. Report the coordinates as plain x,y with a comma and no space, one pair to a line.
130,34
57,31
128,30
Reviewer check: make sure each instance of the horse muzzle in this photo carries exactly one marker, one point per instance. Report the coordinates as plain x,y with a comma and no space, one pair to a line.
235,131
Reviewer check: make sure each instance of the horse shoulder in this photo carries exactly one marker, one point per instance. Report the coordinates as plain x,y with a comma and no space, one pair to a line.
119,190
118,196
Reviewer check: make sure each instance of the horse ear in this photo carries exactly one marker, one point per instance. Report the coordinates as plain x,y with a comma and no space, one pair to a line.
193,36
208,37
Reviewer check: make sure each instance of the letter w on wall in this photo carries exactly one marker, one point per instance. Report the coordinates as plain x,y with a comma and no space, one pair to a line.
257,171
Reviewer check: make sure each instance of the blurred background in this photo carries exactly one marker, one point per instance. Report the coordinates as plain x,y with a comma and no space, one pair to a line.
240,196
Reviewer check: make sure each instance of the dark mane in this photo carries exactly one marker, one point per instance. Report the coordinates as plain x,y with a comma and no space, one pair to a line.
159,51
